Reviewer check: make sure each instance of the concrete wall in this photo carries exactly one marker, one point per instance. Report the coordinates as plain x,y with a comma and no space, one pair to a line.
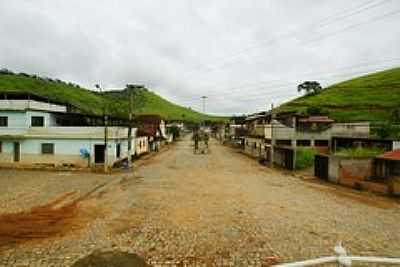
142,145
49,119
254,147
360,169
333,171
341,169
22,119
354,173
279,157
15,118
281,131
396,181
66,132
360,129
68,141
6,104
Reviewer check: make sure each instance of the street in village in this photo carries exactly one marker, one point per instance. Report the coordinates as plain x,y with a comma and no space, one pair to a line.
177,208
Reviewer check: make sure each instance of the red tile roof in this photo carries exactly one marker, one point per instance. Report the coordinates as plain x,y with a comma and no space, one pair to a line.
391,155
323,119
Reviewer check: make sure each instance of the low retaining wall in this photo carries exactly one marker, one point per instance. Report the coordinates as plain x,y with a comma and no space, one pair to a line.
355,173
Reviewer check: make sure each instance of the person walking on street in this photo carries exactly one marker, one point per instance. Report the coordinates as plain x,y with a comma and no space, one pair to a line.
196,138
206,137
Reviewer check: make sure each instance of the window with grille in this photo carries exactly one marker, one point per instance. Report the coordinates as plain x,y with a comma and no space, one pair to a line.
3,121
304,142
47,148
37,121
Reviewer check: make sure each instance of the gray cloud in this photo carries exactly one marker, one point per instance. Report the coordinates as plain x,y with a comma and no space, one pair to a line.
244,55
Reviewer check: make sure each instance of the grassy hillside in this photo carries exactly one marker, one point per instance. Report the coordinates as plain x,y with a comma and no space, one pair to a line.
369,98
92,103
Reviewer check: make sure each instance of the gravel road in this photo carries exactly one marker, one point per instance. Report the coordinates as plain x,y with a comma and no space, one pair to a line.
221,209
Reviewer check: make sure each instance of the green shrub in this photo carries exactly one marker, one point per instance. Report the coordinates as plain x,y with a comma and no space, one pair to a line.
360,152
304,158
316,110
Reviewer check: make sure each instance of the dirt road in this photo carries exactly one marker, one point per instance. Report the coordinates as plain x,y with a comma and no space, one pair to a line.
221,208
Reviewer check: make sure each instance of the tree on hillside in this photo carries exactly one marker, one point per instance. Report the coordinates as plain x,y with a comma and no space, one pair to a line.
396,115
310,87
385,130
6,72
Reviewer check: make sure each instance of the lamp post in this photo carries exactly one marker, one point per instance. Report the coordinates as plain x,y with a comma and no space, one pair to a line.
272,137
204,103
105,120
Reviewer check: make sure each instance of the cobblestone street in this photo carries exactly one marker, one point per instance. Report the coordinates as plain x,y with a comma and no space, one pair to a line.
178,208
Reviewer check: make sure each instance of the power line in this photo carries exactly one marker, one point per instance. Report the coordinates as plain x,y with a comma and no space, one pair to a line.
271,83
285,93
384,16
361,8
326,36
376,18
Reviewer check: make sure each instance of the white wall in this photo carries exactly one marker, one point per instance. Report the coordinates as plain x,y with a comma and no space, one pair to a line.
65,151
15,118
22,119
30,104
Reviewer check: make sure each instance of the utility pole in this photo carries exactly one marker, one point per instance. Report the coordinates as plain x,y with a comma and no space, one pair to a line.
130,128
105,142
105,121
272,137
294,143
204,103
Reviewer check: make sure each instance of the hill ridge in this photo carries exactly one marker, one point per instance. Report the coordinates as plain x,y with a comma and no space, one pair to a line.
92,102
372,97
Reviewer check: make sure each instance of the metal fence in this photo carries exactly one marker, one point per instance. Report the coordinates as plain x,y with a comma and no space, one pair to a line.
342,259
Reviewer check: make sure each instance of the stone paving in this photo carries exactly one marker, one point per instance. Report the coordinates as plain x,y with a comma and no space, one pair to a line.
218,209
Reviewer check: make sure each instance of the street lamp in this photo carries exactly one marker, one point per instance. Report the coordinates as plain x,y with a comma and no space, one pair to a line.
204,103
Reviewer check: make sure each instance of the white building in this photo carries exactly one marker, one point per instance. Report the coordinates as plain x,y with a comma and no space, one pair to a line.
34,134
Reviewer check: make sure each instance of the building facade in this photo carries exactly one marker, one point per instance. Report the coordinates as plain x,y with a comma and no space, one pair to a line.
285,133
38,134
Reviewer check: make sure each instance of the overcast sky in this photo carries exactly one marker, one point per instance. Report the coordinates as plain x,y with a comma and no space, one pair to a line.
243,55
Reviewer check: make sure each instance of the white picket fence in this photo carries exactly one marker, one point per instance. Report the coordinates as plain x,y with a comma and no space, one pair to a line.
342,259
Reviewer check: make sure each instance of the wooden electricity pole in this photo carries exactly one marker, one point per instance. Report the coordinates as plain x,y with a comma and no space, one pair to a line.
203,98
272,137
130,128
105,121
105,142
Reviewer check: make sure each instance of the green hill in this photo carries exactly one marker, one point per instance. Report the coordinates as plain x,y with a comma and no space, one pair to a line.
373,98
90,102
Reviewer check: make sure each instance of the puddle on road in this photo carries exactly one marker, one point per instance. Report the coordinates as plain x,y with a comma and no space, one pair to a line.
111,259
